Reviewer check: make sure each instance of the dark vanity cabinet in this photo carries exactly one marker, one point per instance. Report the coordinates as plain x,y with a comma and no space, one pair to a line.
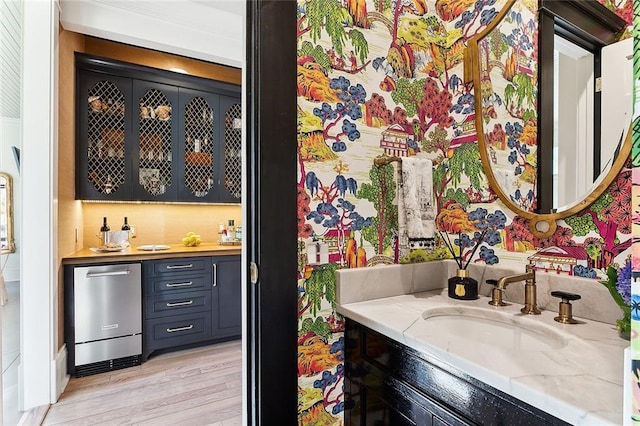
387,383
145,134
190,300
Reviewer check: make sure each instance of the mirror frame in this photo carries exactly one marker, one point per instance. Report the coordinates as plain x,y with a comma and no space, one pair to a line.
11,246
541,225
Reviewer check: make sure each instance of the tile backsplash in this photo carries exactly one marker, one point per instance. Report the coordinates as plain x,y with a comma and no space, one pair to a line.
158,223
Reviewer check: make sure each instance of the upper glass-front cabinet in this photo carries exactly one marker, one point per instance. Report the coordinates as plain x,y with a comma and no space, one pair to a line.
232,149
197,144
103,125
150,135
154,150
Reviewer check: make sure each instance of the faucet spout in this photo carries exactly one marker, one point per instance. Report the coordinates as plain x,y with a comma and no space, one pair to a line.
530,297
506,280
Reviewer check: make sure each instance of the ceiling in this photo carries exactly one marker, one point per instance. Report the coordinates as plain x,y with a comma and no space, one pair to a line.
210,30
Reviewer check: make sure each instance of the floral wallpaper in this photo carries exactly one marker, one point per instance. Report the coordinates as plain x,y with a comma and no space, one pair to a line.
381,78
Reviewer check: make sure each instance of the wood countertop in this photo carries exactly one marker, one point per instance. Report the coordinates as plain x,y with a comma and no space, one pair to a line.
85,255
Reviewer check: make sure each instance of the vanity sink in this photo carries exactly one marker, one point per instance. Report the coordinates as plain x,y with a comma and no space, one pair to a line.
487,327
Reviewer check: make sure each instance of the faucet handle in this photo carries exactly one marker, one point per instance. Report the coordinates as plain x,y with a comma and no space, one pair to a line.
566,296
496,294
564,311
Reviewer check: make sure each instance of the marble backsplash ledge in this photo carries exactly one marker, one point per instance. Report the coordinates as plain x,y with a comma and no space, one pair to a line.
362,284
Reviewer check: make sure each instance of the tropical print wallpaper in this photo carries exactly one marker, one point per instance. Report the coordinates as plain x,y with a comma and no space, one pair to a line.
382,78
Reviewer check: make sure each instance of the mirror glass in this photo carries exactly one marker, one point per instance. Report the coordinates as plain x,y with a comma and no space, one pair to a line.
586,123
583,149
573,107
6,214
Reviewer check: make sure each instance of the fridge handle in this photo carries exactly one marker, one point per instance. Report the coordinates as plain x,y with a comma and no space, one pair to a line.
107,274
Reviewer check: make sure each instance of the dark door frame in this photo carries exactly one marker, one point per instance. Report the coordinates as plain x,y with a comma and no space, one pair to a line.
271,237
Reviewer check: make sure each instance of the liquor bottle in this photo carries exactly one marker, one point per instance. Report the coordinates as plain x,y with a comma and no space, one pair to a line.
231,229
105,227
125,226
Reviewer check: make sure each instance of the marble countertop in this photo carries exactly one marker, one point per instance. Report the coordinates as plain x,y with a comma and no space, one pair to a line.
579,380
132,253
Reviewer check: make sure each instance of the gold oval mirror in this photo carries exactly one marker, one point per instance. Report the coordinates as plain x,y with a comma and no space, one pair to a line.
6,214
541,167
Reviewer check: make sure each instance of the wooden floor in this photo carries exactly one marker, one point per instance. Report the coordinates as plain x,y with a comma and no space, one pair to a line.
200,386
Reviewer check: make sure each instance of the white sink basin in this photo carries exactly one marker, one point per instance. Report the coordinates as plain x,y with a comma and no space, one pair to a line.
489,327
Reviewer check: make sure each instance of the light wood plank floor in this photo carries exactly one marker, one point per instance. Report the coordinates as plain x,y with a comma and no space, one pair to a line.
201,386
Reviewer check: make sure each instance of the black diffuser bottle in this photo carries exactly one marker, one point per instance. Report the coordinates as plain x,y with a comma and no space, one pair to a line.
462,286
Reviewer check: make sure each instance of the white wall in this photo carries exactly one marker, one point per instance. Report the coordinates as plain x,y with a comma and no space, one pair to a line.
10,135
38,301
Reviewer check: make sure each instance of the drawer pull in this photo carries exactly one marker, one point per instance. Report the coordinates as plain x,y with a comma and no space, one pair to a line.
180,284
173,330
171,305
107,274
190,265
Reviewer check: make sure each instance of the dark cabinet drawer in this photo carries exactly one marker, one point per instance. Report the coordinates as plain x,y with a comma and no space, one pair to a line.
180,265
190,300
182,282
178,304
179,330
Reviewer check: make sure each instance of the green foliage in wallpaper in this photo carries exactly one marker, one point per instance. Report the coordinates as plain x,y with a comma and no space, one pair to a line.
408,93
437,141
582,224
521,94
466,159
457,195
381,192
330,16
320,327
497,44
318,54
360,44
448,172
321,285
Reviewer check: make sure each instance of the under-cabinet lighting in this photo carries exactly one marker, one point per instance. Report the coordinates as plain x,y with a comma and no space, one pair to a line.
180,70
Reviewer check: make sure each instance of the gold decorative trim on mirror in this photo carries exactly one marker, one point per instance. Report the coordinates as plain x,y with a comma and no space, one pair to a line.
6,208
541,225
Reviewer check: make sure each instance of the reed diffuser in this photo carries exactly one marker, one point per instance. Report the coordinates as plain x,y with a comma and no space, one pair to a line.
462,286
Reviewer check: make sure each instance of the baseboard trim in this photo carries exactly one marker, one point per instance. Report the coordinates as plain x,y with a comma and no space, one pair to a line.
35,416
60,372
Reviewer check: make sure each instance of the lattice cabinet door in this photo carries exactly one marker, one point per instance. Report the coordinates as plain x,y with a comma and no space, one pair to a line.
197,146
104,149
231,158
155,133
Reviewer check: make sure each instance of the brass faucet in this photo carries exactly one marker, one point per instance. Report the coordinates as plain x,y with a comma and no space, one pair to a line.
530,299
